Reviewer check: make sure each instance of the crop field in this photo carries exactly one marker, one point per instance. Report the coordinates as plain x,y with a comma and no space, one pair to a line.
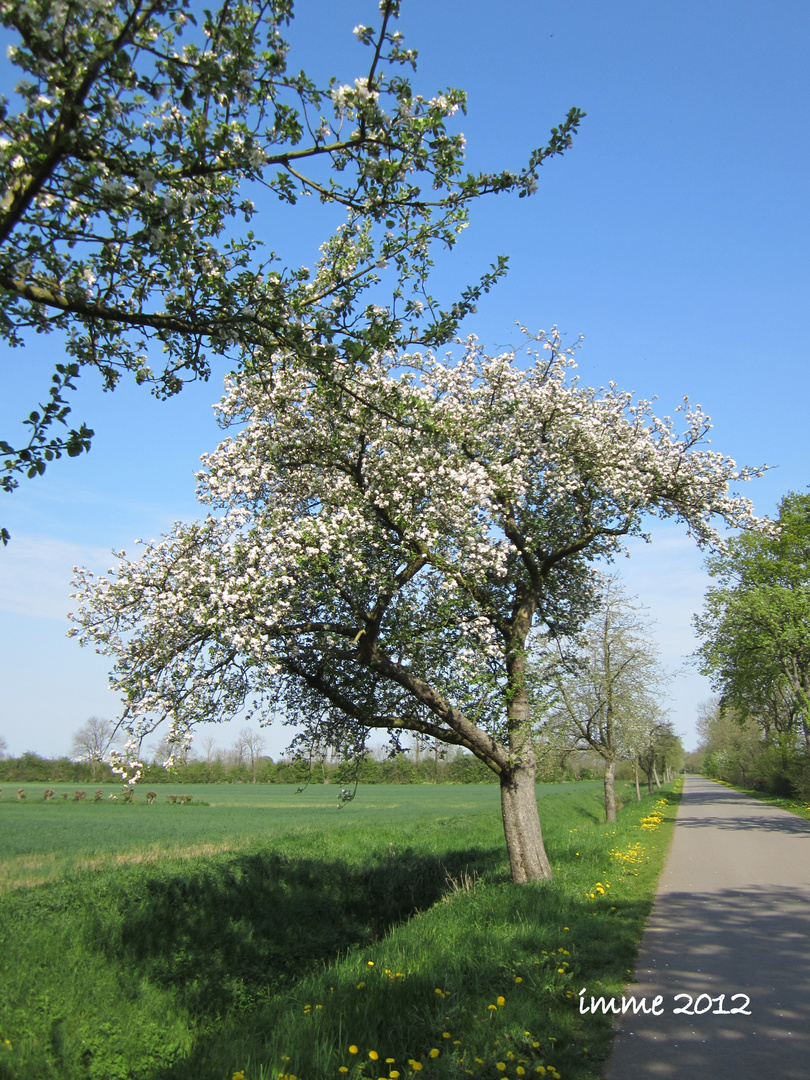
262,931
43,840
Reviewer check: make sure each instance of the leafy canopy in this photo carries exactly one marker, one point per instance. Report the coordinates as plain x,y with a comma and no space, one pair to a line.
143,143
755,623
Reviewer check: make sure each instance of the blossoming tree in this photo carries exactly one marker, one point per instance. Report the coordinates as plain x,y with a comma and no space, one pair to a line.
381,544
132,154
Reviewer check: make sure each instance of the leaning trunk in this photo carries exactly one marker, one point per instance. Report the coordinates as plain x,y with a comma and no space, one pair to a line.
610,791
521,825
635,776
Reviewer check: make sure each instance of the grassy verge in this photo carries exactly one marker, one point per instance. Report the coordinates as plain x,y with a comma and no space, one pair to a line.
800,807
384,949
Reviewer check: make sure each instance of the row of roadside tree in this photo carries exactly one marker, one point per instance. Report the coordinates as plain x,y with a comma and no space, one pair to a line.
755,630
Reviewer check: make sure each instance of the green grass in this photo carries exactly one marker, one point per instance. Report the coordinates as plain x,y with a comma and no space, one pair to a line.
799,807
42,841
383,926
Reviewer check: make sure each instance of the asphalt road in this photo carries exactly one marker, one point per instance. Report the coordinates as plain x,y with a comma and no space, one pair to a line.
731,917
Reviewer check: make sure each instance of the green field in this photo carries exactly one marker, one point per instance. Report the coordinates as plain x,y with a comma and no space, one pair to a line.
266,931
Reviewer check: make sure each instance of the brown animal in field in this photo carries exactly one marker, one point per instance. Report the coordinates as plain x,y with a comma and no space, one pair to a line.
129,794
151,796
49,794
172,799
98,795
185,799
20,794
79,796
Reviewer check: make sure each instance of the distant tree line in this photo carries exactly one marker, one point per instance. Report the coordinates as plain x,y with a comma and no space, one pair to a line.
231,766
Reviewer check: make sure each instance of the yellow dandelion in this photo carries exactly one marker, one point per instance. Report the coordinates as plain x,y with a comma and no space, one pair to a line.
541,1069
371,963
501,1000
353,1049
360,985
416,1065
492,1007
520,1071
389,1061
394,1074
501,1066
240,1075
445,1034
343,1069
434,1053
518,979
373,1055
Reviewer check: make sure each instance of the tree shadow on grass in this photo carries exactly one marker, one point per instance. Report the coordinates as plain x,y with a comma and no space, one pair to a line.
504,931
232,931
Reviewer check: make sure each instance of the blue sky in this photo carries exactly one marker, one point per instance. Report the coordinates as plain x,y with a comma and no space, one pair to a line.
674,235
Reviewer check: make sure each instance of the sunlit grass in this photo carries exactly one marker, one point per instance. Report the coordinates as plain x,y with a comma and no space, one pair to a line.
399,935
799,807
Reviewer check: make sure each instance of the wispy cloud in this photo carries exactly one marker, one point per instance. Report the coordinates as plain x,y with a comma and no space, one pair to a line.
35,574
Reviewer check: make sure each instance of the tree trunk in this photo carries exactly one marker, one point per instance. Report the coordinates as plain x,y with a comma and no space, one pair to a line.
635,775
655,774
521,826
521,821
610,791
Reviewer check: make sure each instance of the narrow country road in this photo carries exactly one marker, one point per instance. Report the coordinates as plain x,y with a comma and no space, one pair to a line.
731,917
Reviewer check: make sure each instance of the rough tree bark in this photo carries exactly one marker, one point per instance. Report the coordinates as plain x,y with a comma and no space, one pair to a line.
521,822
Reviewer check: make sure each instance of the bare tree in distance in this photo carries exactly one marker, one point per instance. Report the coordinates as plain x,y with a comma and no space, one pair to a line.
608,684
94,740
209,748
252,744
